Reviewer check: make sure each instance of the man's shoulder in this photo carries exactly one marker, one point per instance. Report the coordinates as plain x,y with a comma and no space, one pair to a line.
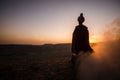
81,27
77,27
84,26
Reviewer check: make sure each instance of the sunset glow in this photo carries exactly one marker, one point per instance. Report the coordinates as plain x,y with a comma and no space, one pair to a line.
42,22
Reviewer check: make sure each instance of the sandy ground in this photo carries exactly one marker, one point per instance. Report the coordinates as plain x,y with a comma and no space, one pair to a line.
53,63
36,69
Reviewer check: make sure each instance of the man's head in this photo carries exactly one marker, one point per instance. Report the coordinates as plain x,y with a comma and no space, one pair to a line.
81,19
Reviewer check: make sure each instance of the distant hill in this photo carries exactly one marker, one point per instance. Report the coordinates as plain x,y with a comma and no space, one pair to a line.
49,48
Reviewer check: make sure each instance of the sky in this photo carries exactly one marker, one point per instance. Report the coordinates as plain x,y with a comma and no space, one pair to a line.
53,21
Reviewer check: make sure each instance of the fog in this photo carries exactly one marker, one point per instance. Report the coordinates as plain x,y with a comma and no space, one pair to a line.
104,63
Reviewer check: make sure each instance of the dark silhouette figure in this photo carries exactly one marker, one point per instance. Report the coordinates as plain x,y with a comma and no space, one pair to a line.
80,40
80,44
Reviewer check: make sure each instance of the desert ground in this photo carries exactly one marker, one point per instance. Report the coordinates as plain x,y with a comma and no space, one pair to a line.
28,62
52,62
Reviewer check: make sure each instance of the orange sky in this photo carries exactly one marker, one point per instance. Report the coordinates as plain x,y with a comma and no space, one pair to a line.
53,21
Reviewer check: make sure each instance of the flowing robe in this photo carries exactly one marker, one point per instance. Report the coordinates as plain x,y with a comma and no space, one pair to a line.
80,40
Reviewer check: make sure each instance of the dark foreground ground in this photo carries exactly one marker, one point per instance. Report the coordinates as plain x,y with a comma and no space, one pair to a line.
27,62
36,69
52,62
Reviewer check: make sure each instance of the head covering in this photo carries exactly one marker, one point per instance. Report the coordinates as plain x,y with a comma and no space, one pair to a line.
81,18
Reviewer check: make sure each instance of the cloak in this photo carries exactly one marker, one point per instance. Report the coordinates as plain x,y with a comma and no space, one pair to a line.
80,40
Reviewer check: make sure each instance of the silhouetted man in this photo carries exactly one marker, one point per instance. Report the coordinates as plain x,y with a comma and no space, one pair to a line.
80,40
